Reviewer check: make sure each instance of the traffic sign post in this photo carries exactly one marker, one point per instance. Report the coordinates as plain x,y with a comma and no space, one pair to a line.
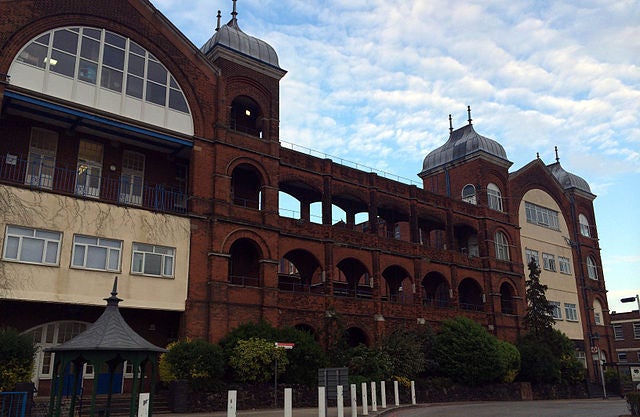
281,345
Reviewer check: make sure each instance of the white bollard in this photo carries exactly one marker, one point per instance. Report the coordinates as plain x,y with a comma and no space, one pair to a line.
287,402
231,403
340,400
374,400
354,401
383,394
365,406
322,402
413,392
395,392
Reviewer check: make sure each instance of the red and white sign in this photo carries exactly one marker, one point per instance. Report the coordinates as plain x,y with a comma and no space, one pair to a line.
285,345
594,349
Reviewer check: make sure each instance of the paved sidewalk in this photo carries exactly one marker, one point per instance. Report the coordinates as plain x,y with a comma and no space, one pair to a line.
297,412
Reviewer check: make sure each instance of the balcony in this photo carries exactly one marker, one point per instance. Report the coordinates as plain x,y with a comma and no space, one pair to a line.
124,190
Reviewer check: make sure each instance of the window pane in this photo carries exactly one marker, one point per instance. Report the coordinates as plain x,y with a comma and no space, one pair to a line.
20,231
90,49
136,264
168,266
97,258
111,79
136,65
11,248
62,63
48,235
93,33
110,243
134,47
52,253
156,72
153,264
142,247
114,260
32,250
156,93
78,255
113,39
113,57
87,71
34,54
177,101
134,86
66,41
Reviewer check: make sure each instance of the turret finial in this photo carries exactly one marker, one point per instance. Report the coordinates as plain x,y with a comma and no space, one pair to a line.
234,13
450,124
469,113
557,157
219,17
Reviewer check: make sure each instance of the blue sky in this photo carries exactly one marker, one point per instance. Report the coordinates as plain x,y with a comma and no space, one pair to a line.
373,82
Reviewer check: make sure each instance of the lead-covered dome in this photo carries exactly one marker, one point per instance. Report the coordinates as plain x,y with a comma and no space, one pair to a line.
231,37
568,180
463,143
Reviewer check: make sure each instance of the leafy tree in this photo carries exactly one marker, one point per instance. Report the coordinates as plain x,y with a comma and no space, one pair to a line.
549,359
253,360
467,353
16,358
539,317
198,361
407,350
510,356
367,364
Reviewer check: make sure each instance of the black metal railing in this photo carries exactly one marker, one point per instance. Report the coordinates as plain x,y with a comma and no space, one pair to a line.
245,281
124,190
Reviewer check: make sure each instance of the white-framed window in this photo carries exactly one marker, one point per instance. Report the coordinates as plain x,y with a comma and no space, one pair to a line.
89,169
592,269
132,178
532,255
636,330
622,356
582,357
96,253
542,216
557,310
34,246
502,246
42,158
570,312
469,194
494,197
618,333
153,260
597,313
565,265
549,261
584,225
49,335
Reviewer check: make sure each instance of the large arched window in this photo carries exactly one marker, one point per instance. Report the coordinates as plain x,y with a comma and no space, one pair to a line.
502,246
597,313
102,69
469,194
494,197
584,225
592,269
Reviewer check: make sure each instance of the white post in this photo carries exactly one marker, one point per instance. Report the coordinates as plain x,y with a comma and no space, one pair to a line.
374,400
383,393
354,401
365,406
287,402
322,403
413,392
143,404
231,403
340,400
395,393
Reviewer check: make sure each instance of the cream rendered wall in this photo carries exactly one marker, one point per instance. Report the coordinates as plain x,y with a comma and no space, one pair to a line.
561,287
70,215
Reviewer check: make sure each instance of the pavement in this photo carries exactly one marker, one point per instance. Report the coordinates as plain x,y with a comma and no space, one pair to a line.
296,412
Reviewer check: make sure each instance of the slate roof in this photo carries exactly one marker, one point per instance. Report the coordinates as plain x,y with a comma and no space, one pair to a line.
109,333
568,180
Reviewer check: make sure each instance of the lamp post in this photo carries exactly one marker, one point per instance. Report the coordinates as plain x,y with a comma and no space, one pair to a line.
596,349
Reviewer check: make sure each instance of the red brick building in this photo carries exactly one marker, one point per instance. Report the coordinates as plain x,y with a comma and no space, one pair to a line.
127,150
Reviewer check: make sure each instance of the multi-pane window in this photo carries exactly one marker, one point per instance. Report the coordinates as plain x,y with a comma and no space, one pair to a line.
597,317
636,330
153,260
42,158
132,178
469,194
494,197
592,270
584,225
50,335
542,216
29,245
565,265
570,312
96,253
532,255
89,169
618,332
502,246
622,356
557,310
549,261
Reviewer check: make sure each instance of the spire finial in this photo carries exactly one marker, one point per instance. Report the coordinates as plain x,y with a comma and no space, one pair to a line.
113,300
557,157
469,113
234,13
537,155
219,16
450,124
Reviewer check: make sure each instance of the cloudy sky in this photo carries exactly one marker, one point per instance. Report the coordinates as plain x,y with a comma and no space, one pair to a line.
372,82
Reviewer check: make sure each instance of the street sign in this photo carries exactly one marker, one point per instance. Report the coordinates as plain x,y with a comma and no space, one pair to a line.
635,373
594,349
285,345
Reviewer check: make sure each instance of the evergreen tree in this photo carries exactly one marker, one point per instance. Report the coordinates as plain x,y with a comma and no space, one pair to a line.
539,316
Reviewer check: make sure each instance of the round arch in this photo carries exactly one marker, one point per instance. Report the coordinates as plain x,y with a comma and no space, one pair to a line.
228,241
470,295
437,290
355,336
399,284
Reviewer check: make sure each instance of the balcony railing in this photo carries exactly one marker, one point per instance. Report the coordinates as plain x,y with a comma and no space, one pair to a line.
124,190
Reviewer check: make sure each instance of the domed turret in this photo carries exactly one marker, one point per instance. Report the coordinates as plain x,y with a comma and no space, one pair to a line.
232,38
566,179
463,143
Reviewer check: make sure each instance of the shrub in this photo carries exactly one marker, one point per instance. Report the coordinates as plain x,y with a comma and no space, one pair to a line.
254,360
16,358
633,402
198,361
370,364
407,352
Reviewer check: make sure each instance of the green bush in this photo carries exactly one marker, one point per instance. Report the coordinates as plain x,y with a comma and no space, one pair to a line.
254,360
510,357
198,361
633,402
408,351
371,364
16,358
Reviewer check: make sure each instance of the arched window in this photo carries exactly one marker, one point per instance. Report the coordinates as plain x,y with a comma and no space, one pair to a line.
246,187
584,225
597,313
469,194
245,116
494,197
244,263
592,269
502,246
507,302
